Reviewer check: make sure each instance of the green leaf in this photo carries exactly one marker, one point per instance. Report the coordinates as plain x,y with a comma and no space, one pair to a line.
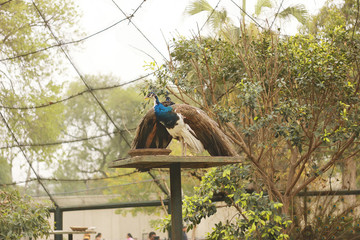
260,4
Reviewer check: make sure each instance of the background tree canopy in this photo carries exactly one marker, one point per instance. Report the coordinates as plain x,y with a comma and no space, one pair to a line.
28,79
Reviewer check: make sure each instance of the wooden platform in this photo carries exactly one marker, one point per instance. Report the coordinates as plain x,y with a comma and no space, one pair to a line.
161,161
58,232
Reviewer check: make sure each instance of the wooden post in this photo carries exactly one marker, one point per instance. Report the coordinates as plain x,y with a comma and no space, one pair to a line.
176,201
58,218
169,212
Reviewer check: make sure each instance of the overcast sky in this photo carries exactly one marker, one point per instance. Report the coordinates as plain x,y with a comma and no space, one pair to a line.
123,51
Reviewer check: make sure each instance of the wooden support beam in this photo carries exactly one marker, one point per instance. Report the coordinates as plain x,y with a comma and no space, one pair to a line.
176,201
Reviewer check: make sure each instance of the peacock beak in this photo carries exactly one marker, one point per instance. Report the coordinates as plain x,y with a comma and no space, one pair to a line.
149,96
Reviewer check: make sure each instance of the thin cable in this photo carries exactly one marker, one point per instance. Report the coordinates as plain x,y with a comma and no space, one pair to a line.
28,161
158,183
212,12
247,14
51,103
102,188
69,180
139,30
132,15
62,44
276,14
3,3
80,75
65,141
74,41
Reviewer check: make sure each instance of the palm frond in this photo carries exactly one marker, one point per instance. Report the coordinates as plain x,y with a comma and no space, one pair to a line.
198,6
218,18
261,4
298,11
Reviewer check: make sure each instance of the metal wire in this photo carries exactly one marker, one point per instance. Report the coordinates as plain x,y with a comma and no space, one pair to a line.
80,75
28,161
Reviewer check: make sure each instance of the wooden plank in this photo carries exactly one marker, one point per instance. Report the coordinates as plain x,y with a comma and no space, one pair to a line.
56,232
161,161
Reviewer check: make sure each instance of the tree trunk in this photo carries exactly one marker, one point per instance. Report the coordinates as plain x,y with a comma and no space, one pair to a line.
286,205
349,182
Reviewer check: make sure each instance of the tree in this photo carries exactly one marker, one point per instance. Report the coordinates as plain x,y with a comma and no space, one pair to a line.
27,76
333,15
84,118
22,217
219,20
290,105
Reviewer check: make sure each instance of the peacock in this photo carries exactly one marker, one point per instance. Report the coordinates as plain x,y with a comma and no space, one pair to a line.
188,124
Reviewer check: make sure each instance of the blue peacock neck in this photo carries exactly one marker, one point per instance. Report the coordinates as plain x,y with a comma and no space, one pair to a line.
165,115
156,101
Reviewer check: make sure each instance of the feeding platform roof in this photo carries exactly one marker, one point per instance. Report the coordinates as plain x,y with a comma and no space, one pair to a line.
163,161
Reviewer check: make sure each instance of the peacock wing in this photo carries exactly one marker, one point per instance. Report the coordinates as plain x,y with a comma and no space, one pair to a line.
207,130
150,133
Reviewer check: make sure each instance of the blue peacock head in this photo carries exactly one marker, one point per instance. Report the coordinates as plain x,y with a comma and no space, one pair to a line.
150,95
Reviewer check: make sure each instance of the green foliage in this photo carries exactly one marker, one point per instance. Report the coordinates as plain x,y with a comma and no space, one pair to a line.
223,26
290,104
121,105
21,217
297,11
23,32
84,118
217,18
334,14
198,6
260,4
319,70
313,69
5,171
197,61
32,79
256,216
163,224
